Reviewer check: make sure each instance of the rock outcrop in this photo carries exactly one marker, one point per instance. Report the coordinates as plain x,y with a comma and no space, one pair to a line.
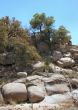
57,89
14,92
66,62
35,94
56,55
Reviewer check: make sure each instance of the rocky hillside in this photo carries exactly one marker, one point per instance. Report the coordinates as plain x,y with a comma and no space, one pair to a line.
52,83
35,74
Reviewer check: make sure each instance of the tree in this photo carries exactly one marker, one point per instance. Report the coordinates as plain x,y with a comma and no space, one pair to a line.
37,21
41,22
62,36
15,39
42,26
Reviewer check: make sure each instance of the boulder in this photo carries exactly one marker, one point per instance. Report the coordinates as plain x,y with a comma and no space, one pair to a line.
58,69
56,78
35,94
75,68
66,62
7,58
20,80
74,83
57,89
57,55
75,96
14,92
57,98
75,55
22,74
35,80
39,64
68,54
34,77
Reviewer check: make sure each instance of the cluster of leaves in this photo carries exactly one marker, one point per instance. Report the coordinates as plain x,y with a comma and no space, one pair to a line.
14,38
43,26
41,22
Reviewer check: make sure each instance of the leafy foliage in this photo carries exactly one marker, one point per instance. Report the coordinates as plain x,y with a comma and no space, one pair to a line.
45,32
14,38
61,37
41,21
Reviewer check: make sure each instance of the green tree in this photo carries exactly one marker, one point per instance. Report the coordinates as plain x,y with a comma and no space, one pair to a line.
15,39
61,36
42,26
41,22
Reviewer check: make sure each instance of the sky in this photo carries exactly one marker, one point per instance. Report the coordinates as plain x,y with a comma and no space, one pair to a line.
65,12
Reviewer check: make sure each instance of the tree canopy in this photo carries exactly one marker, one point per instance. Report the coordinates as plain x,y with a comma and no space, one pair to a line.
44,26
14,38
41,22
62,35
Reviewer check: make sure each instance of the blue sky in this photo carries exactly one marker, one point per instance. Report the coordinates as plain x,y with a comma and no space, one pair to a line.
65,12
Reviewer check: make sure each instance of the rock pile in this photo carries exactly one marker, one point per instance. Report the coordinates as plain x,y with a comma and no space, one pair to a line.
54,89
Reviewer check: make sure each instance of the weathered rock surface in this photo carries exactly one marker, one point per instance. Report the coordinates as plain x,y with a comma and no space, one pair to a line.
22,74
57,89
57,98
57,55
75,96
38,65
35,94
66,62
68,54
74,83
20,80
14,92
34,107
55,79
75,55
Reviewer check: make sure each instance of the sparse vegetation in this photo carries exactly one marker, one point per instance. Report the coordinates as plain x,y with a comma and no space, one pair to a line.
14,38
23,44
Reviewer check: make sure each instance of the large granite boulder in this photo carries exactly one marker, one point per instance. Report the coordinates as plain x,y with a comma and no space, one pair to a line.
75,96
74,83
14,92
57,98
7,58
35,94
57,89
68,54
39,64
66,62
75,55
56,55
55,79
22,74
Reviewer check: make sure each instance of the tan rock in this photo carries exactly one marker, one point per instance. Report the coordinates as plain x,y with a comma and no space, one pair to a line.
14,92
66,62
35,94
57,89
